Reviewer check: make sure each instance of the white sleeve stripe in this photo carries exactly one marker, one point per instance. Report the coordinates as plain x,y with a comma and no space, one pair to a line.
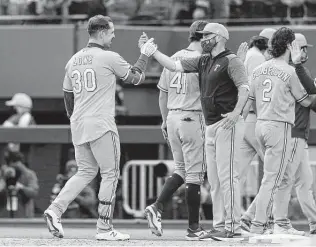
67,90
250,97
162,89
140,79
301,99
245,86
125,76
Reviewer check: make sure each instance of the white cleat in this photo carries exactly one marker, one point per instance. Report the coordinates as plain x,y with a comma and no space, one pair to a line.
53,223
154,220
112,235
291,231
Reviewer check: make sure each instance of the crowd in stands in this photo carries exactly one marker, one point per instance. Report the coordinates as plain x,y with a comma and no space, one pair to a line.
177,11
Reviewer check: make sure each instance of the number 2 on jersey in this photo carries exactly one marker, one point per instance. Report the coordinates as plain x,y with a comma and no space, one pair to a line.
179,82
268,87
86,80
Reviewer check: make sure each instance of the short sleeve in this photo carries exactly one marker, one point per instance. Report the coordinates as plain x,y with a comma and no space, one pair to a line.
163,81
237,72
118,65
297,89
190,65
67,85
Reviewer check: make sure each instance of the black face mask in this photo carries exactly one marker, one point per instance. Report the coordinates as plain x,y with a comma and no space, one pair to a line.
208,45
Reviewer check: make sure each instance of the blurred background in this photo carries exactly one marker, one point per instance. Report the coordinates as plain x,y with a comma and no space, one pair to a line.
37,39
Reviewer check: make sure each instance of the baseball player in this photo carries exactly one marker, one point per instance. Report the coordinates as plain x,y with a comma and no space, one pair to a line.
184,126
224,92
298,172
89,93
275,87
250,148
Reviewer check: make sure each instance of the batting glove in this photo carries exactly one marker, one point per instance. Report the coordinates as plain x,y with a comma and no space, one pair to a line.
149,48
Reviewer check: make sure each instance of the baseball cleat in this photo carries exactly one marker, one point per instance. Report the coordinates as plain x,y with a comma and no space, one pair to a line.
225,236
195,235
53,223
154,220
245,225
282,230
112,235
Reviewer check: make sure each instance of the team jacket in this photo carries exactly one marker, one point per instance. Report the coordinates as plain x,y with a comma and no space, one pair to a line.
302,114
219,79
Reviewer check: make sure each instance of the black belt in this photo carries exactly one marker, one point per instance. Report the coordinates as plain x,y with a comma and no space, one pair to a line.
185,110
252,112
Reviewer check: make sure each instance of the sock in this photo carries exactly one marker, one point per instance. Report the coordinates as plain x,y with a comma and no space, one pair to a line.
193,197
171,185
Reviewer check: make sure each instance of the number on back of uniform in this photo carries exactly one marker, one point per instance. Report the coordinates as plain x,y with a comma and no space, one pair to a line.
86,80
266,90
179,82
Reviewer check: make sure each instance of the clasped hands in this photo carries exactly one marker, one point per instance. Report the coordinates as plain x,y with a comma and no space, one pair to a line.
146,45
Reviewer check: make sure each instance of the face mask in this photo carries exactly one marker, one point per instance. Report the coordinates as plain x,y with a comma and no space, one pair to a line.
304,57
208,45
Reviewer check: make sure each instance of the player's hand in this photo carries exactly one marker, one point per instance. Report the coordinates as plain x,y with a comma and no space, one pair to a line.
242,51
142,40
230,119
164,131
19,186
296,54
149,48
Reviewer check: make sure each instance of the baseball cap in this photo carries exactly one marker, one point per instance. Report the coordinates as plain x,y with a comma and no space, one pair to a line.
20,99
195,27
215,28
267,33
300,38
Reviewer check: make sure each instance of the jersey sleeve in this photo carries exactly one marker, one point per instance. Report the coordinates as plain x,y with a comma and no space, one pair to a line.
190,65
237,72
67,85
119,65
253,62
163,81
297,89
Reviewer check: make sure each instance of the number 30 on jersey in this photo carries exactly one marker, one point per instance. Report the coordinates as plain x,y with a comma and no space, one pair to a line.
179,82
87,80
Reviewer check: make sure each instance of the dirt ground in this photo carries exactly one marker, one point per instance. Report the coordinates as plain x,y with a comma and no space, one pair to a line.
37,235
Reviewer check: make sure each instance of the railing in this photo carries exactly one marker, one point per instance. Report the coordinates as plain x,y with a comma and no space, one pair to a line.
14,19
143,180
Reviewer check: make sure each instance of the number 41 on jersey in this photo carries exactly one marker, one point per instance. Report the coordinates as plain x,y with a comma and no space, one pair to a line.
179,82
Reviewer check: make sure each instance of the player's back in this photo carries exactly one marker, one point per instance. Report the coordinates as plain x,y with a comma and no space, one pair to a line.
272,91
93,83
183,88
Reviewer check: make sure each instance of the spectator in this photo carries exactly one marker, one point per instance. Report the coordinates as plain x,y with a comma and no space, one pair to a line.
96,7
221,9
18,187
22,104
84,206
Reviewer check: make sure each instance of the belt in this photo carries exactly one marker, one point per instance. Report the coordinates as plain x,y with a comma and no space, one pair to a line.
252,112
185,110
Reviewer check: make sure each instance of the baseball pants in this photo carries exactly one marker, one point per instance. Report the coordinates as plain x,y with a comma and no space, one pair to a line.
186,133
103,153
223,159
275,141
249,148
299,174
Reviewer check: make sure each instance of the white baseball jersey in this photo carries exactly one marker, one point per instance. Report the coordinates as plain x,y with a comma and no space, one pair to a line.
182,88
91,76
